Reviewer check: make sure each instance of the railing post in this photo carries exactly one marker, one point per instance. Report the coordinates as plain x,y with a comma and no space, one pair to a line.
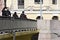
14,35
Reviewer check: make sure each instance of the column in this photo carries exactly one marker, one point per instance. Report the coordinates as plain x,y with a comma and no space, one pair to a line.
44,29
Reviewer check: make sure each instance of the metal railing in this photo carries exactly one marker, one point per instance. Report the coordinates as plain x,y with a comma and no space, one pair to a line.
17,24
11,25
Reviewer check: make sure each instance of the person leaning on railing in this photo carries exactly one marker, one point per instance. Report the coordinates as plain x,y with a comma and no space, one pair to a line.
15,15
6,12
23,16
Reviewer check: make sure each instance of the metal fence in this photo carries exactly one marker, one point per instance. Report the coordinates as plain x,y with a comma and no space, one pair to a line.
9,24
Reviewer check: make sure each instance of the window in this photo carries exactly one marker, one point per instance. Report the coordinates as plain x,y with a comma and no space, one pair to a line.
38,1
20,4
54,1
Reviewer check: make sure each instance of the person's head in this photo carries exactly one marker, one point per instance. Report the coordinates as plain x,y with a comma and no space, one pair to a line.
14,12
5,8
22,12
39,17
55,17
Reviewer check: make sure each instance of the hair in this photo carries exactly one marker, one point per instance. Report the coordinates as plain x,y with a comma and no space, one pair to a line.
22,11
55,17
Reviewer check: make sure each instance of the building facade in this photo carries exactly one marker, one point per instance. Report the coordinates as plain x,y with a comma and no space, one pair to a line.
1,6
32,8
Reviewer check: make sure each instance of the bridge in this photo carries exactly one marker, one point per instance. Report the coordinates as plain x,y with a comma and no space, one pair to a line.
48,29
11,25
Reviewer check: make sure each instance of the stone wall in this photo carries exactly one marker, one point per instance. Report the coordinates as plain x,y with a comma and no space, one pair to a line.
48,29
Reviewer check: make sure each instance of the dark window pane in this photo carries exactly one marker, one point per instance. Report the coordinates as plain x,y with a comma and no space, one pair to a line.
20,2
54,1
38,1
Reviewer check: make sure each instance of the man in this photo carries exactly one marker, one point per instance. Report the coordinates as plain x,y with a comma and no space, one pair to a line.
6,12
23,16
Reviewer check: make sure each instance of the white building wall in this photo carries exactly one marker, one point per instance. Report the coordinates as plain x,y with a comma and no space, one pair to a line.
44,30
12,4
46,3
30,3
49,29
58,4
8,3
1,6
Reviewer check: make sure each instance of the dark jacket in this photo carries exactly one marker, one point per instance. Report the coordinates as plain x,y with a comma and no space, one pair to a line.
6,12
15,15
23,16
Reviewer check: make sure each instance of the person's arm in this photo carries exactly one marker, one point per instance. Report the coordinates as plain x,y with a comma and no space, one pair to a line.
9,13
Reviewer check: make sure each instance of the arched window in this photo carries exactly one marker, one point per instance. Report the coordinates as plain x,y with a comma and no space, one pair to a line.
39,17
55,18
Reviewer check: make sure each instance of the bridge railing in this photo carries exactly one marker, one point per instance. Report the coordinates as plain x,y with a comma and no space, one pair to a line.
9,24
